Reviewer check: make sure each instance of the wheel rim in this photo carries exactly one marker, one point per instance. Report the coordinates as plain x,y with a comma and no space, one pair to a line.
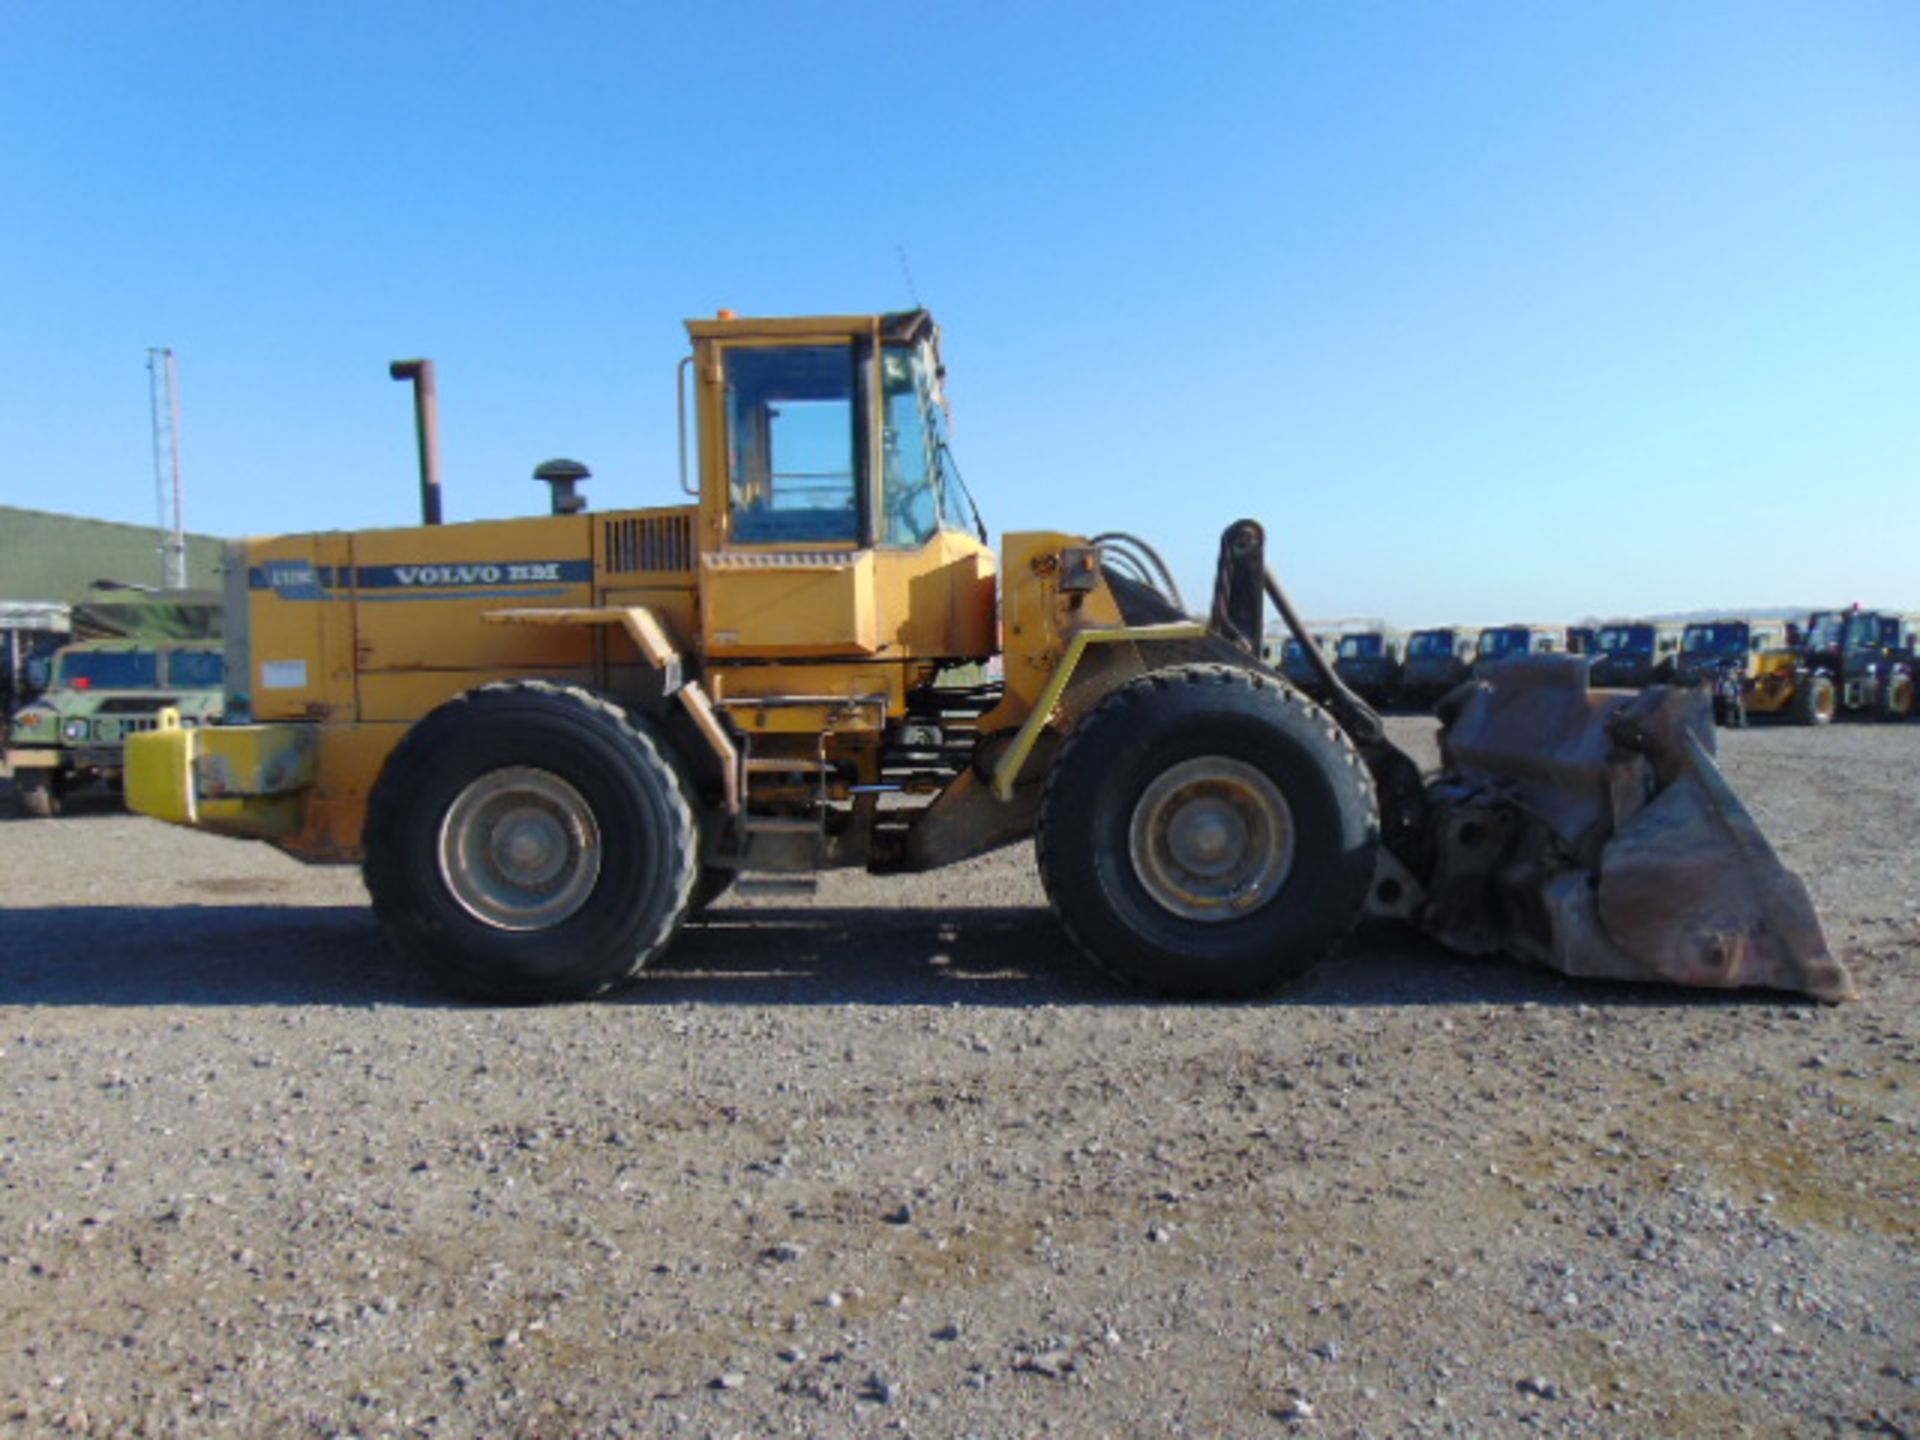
520,849
1212,839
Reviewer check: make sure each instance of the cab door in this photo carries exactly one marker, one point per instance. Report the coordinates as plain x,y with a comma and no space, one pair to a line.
787,497
835,528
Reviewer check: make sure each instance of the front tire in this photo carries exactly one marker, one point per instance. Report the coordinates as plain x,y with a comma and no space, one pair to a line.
39,794
1814,700
1896,698
530,842
1207,833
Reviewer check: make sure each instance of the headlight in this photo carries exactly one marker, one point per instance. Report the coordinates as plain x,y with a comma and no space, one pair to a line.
74,730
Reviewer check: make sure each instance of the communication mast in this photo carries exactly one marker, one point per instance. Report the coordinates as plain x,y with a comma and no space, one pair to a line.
163,390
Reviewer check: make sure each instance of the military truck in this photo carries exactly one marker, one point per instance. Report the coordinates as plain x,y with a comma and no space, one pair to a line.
100,692
1297,665
1499,643
1372,663
1437,660
30,631
1633,654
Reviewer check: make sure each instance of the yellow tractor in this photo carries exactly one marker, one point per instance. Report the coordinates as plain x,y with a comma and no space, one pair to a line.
550,740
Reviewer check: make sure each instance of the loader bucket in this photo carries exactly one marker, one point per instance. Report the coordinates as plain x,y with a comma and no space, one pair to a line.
1591,831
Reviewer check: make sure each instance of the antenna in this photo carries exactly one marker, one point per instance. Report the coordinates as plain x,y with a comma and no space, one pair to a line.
907,272
163,394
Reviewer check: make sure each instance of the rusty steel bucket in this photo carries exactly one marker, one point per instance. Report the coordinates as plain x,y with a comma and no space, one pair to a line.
1591,831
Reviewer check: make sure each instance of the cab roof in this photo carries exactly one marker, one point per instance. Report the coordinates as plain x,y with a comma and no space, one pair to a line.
900,326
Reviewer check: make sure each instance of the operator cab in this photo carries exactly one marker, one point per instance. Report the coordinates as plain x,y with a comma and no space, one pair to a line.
834,442
833,523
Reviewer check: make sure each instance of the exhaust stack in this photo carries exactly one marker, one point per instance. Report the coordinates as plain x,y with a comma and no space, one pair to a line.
426,424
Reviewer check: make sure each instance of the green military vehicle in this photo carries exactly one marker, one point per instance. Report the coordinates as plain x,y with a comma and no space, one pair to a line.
102,691
159,651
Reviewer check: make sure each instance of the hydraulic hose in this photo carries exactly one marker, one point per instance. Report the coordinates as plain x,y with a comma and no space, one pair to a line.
1143,558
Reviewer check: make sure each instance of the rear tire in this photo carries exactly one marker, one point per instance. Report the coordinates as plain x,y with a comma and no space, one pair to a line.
1207,833
1814,701
1896,698
530,842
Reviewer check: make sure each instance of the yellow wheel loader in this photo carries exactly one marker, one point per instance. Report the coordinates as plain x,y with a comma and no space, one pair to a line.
550,740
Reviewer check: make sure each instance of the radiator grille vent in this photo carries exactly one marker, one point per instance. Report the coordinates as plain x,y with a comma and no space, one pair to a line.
650,544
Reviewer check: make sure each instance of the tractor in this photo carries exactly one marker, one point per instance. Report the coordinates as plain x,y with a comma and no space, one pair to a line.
550,741
1858,661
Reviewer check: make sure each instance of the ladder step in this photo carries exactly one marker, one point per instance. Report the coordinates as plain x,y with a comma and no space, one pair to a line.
778,702
772,883
780,825
773,765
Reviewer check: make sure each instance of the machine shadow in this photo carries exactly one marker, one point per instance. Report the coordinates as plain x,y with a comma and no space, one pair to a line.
86,805
1010,957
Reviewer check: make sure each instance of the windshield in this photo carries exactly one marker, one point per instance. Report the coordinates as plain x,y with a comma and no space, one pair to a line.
1723,639
1429,643
1504,642
196,669
1827,631
1625,640
108,670
1293,653
1360,647
921,489
1871,632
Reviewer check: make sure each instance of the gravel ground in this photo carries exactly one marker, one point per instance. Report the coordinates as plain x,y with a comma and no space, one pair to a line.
892,1161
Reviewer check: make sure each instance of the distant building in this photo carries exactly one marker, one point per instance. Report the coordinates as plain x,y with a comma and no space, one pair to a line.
54,559
48,563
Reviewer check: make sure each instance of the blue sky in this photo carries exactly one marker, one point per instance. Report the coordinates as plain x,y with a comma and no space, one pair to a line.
1488,311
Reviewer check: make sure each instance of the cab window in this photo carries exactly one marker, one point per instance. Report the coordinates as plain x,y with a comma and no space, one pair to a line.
196,669
920,490
109,670
793,444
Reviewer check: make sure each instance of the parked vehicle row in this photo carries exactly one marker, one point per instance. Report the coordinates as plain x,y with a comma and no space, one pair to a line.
1841,661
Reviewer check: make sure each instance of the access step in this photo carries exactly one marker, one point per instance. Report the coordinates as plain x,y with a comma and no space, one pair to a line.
780,825
785,702
771,883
